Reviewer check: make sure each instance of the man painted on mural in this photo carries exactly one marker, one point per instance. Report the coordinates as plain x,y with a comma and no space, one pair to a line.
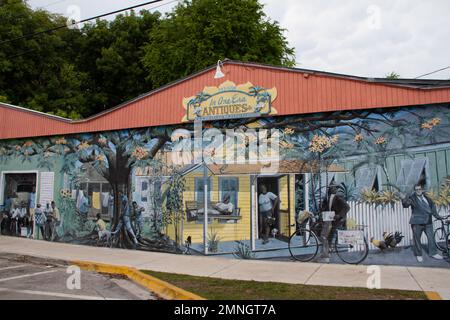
225,207
333,202
268,203
422,210
56,221
31,209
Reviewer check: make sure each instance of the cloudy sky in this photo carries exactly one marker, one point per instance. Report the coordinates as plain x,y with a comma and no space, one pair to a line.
360,37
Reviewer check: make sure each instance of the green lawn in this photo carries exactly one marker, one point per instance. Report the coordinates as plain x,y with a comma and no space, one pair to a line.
220,289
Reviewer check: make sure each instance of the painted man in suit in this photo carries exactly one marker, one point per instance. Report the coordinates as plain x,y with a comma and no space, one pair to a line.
422,209
333,202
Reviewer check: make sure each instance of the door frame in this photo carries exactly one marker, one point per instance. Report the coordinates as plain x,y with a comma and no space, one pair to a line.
255,234
2,182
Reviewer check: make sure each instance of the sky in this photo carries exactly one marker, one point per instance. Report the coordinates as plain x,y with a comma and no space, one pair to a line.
369,38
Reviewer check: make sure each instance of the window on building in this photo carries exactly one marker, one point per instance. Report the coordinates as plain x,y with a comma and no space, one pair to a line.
412,171
199,190
148,194
144,191
230,186
367,178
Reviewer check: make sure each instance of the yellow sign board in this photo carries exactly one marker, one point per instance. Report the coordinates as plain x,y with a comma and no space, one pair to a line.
229,101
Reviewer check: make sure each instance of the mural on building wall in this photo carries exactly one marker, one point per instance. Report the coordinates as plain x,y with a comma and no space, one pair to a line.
97,204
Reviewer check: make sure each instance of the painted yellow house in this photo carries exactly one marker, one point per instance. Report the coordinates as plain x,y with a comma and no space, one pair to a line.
241,182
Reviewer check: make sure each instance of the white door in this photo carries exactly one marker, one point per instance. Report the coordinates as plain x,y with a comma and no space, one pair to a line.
147,194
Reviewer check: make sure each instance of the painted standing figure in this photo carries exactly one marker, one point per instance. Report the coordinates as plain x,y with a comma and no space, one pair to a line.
333,202
39,219
422,210
268,202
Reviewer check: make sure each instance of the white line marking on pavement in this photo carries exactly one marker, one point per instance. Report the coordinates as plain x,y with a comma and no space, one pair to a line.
27,275
13,267
56,294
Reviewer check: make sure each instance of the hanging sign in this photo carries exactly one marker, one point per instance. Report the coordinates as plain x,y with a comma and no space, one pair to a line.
351,237
229,101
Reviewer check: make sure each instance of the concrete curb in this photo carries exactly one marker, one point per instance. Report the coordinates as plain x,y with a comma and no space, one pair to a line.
163,289
433,295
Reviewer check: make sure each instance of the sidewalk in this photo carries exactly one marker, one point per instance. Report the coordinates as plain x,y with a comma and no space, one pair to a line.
392,277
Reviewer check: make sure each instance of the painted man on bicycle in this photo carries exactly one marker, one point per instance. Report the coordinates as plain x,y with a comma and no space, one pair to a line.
333,202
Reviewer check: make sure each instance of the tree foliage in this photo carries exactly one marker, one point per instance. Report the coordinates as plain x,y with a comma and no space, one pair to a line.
392,75
76,73
200,32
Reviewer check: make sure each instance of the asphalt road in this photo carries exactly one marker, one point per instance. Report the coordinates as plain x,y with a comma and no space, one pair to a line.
42,281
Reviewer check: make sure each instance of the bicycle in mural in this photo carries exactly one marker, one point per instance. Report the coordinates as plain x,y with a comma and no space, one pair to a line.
349,245
442,236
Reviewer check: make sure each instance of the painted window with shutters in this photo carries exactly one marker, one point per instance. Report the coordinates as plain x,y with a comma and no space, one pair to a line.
148,194
367,178
46,188
412,171
199,190
230,186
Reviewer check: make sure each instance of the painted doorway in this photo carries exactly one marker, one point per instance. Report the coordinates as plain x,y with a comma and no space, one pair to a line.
18,186
272,185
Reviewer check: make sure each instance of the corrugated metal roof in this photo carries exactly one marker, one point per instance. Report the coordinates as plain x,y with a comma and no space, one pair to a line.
300,91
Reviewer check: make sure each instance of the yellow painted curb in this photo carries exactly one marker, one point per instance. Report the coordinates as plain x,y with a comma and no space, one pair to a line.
163,289
432,295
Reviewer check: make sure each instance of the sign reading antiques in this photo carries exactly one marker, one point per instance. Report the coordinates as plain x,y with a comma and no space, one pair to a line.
230,101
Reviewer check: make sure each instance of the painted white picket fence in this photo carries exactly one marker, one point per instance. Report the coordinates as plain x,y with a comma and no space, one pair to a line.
390,219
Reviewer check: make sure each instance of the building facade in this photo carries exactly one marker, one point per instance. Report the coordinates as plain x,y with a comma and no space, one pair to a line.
181,150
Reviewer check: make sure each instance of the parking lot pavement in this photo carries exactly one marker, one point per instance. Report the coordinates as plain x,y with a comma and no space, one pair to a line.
41,281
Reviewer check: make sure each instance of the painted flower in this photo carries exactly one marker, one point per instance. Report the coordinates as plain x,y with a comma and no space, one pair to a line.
139,153
380,140
358,138
286,145
27,144
18,148
288,131
100,158
103,141
435,121
431,123
334,139
65,193
426,125
83,145
321,143
61,141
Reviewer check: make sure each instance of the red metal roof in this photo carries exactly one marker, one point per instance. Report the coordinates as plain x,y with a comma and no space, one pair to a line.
299,91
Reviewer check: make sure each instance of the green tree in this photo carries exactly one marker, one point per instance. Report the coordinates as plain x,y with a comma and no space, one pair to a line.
76,73
37,72
392,76
110,52
200,32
